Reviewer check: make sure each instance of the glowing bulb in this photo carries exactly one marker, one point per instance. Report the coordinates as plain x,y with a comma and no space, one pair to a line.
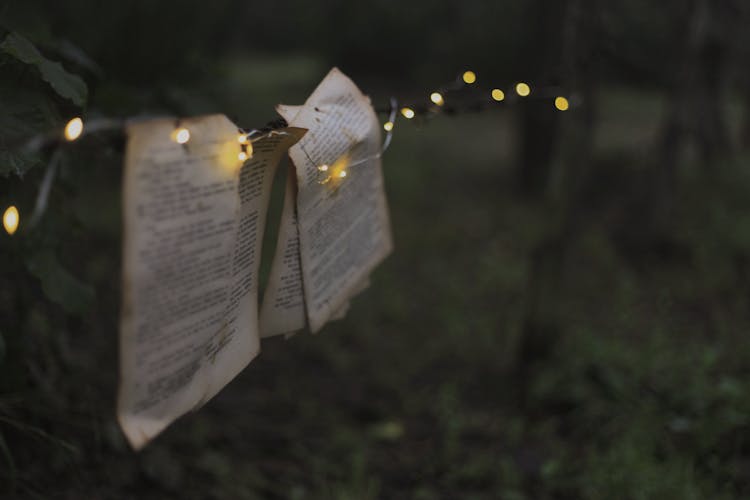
242,156
242,138
388,126
523,89
408,113
10,219
561,103
498,95
73,129
469,77
181,135
437,98
323,168
342,174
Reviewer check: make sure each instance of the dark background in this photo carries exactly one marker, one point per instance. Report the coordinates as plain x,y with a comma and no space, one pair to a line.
566,311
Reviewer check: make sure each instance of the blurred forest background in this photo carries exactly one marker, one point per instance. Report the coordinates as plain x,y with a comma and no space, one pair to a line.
566,313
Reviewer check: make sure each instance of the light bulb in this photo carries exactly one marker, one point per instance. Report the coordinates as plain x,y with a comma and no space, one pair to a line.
523,89
437,98
498,95
342,174
10,219
242,156
388,126
242,138
323,168
181,135
561,103
469,77
408,113
73,129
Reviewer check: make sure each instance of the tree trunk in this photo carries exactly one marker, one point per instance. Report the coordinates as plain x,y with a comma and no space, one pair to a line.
539,124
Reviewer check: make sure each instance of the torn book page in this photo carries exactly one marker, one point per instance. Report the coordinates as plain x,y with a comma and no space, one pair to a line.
343,221
193,221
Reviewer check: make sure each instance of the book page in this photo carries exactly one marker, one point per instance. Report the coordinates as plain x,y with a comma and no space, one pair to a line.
193,221
283,307
343,223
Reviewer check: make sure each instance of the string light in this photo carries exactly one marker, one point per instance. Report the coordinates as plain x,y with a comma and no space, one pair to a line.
246,145
408,113
181,135
10,220
523,89
73,129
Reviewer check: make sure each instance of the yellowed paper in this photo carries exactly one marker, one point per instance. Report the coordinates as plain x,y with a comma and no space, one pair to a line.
343,222
283,307
194,218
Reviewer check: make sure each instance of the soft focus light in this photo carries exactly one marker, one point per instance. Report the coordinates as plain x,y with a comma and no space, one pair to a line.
469,77
523,89
242,138
437,98
181,135
73,129
10,219
323,168
342,174
498,95
561,103
408,113
388,126
242,156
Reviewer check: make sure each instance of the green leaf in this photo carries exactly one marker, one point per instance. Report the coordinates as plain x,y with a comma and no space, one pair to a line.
17,163
66,84
27,110
59,285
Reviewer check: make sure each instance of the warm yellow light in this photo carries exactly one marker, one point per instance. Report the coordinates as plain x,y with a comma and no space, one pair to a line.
242,138
73,129
323,168
10,219
437,98
181,135
388,126
342,174
523,89
561,103
408,113
469,77
498,95
242,156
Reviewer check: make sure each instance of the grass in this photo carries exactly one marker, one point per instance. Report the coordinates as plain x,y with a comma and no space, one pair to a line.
637,388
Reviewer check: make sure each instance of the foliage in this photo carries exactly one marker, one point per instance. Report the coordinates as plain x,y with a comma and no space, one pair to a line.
65,84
